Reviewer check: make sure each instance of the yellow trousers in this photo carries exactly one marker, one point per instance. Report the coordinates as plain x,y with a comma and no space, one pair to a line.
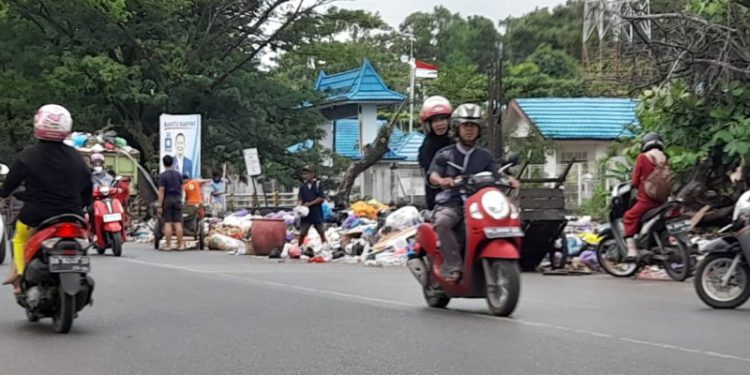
23,233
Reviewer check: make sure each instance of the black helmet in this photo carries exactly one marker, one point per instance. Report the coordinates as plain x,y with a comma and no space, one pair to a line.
651,141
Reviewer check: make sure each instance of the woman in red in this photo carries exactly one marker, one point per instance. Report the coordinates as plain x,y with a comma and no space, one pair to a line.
652,153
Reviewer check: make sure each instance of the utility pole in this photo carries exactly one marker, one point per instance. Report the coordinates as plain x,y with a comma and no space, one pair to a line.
495,108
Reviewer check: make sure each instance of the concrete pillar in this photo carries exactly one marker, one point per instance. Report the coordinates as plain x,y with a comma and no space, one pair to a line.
368,124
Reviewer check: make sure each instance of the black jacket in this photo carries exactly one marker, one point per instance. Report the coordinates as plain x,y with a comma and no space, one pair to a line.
57,182
431,145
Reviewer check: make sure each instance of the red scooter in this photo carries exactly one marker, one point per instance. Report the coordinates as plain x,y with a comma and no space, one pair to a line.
492,243
55,282
109,221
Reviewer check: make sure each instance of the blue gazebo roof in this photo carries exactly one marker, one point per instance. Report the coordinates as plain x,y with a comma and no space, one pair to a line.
361,85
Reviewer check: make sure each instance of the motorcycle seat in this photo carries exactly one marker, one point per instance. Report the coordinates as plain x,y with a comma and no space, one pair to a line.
650,214
65,218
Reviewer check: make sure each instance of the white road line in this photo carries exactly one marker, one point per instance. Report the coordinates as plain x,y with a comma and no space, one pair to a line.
381,301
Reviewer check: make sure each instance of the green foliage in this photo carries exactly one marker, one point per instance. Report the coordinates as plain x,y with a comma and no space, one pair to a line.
560,28
460,84
697,127
450,40
129,61
546,73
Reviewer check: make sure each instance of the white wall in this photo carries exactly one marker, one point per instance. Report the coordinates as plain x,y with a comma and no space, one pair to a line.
368,124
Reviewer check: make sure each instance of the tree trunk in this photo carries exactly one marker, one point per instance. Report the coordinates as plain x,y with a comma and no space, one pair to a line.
375,153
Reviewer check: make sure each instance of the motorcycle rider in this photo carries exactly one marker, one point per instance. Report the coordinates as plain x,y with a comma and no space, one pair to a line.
100,177
435,117
464,158
56,177
652,154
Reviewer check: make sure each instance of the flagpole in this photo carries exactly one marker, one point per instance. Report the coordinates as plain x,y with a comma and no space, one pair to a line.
413,65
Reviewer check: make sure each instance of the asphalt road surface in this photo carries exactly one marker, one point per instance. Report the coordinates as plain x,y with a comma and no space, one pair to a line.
210,313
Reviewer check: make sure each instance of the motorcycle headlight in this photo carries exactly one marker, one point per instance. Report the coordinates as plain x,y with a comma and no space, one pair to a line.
496,205
104,190
475,212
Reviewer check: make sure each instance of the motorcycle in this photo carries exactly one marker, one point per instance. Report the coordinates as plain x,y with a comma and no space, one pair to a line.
109,220
722,279
55,283
492,241
663,234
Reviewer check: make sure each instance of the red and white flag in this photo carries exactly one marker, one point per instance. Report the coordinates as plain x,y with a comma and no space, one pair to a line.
425,70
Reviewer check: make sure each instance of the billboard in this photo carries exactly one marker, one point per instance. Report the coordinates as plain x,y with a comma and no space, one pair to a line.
180,137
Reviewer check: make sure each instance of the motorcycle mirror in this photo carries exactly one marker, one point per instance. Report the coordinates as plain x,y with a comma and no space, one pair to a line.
4,170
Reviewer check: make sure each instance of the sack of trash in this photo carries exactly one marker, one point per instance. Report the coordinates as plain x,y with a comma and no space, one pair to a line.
403,218
221,242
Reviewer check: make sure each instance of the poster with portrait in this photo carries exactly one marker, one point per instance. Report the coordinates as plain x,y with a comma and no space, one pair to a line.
180,137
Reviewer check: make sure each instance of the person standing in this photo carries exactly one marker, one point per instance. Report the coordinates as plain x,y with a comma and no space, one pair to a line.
218,194
311,195
170,203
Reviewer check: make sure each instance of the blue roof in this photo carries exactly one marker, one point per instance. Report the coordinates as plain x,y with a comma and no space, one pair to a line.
402,146
581,118
363,84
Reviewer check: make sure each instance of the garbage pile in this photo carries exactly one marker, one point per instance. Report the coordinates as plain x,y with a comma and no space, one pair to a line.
101,142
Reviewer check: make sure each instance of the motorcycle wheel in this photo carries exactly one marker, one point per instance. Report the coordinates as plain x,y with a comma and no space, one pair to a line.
606,252
157,235
116,243
62,321
503,279
682,271
201,236
708,282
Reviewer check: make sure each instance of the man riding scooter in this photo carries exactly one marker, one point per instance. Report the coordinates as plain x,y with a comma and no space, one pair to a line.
464,158
56,177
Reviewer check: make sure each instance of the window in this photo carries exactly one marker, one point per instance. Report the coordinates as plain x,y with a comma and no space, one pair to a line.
582,156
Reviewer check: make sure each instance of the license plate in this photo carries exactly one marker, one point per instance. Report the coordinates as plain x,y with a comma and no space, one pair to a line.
679,227
108,218
63,264
503,232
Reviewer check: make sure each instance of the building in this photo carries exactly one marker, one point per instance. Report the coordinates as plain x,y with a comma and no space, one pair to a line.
579,128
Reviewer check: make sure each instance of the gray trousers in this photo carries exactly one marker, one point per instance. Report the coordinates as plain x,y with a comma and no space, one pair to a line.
445,219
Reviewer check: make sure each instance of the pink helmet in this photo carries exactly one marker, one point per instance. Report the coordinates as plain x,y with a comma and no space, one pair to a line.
52,122
97,157
434,106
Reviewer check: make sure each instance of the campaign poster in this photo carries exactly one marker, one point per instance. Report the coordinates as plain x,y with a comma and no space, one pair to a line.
180,137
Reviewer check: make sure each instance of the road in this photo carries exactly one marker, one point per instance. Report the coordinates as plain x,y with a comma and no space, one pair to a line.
210,313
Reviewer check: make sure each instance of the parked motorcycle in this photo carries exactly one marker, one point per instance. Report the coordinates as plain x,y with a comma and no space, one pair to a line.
109,220
663,235
492,241
722,279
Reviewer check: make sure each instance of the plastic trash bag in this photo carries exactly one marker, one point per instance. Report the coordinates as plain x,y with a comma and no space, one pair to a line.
403,218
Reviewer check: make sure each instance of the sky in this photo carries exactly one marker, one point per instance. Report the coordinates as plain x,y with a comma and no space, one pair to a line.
394,11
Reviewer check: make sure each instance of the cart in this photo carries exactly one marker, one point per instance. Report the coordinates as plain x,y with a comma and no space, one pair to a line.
192,222
543,216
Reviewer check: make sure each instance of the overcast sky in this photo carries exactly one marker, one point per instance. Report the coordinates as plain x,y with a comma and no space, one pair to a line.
394,11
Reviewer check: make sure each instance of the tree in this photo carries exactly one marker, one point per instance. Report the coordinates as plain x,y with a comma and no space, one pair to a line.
450,40
545,73
129,61
561,28
700,103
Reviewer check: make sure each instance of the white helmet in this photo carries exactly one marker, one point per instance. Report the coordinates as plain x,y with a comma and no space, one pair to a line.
52,122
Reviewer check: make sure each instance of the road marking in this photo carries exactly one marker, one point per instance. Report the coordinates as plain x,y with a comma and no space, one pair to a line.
402,305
